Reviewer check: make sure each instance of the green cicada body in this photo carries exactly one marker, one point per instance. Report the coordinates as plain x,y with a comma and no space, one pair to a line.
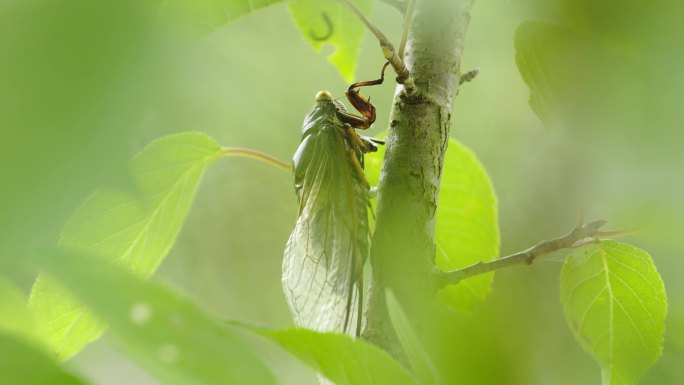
325,254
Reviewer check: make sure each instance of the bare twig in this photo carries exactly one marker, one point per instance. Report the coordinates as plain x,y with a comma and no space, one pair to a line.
403,74
577,235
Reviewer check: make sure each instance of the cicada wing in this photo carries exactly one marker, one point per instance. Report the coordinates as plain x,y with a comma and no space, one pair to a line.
323,256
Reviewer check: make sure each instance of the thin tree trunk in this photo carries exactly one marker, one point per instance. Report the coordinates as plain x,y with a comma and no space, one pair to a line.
402,254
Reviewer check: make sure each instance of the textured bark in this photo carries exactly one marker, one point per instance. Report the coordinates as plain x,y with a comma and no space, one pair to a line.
402,254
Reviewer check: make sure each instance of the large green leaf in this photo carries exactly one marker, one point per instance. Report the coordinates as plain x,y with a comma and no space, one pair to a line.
328,21
340,358
24,364
467,229
135,229
424,368
615,303
165,332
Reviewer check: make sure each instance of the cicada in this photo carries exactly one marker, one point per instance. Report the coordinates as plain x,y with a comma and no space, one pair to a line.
325,254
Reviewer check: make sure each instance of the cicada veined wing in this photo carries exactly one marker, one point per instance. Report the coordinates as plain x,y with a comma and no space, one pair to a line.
324,256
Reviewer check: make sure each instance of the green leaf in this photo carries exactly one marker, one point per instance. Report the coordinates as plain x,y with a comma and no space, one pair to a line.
563,70
202,16
23,364
328,21
467,229
421,363
537,46
162,330
339,357
133,229
615,303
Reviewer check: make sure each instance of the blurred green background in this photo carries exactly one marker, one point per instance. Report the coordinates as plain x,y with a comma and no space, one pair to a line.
85,85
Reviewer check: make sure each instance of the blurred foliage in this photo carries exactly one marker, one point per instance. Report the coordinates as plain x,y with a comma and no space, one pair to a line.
339,357
135,229
86,84
22,363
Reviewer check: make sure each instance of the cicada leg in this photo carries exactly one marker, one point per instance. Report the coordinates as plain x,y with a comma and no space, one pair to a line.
362,104
358,168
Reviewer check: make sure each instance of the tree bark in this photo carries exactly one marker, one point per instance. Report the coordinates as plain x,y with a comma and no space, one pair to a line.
403,249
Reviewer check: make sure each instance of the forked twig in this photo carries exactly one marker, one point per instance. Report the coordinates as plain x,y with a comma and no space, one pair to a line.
396,61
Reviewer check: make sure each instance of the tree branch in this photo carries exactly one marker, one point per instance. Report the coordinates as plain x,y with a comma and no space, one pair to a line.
528,256
403,247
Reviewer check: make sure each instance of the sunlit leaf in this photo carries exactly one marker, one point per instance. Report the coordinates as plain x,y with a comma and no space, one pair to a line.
162,330
135,229
615,303
421,363
328,21
467,229
339,357
23,364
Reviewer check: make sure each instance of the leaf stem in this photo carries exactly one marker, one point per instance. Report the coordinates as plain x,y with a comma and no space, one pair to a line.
258,155
403,74
579,233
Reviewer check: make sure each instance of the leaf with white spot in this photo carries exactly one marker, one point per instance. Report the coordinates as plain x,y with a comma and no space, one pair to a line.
134,229
615,303
162,330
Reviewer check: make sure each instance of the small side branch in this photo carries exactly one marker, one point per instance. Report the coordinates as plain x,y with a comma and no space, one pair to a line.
403,74
573,238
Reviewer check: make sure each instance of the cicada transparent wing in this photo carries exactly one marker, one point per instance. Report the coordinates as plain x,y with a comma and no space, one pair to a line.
324,256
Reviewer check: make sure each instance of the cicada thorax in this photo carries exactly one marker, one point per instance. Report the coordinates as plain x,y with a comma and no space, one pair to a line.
326,251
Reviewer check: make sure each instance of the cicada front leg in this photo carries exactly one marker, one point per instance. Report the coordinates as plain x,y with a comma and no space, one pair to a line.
362,104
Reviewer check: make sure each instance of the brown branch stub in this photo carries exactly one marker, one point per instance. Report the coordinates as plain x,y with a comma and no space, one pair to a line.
468,76
578,234
403,75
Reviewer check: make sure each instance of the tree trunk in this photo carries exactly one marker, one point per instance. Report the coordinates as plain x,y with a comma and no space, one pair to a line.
403,250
